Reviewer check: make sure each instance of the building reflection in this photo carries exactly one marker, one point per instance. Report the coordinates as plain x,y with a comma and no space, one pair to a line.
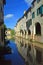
31,52
4,62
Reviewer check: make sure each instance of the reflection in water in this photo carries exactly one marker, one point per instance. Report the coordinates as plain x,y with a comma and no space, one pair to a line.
4,62
38,56
15,57
31,52
12,59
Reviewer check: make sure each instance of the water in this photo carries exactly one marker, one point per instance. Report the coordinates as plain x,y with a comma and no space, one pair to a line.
14,58
32,52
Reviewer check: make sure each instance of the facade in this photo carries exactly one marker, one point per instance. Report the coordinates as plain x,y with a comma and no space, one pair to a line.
24,25
29,29
20,27
31,24
32,53
8,34
37,20
2,3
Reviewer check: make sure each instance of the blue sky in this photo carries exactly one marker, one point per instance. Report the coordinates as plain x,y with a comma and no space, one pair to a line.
13,10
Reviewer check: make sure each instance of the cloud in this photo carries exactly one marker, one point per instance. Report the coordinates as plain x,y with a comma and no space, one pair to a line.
28,2
8,16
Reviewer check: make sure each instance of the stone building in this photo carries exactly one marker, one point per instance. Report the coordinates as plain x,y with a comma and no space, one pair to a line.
30,26
31,23
2,3
37,20
8,34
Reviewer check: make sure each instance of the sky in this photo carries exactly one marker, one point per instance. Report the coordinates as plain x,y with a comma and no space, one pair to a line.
13,10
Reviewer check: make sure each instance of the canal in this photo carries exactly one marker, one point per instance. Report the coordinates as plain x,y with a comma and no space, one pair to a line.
14,58
32,52
23,52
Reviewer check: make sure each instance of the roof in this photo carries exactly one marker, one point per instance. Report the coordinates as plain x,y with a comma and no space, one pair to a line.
20,18
29,10
33,1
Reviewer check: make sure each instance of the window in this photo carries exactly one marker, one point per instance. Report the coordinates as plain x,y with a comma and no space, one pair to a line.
28,23
33,15
38,1
40,10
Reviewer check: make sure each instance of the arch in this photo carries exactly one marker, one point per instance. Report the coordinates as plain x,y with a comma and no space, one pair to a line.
29,32
21,31
25,32
29,47
38,28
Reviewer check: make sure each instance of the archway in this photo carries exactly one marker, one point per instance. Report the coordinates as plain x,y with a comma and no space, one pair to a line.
29,32
38,28
25,32
21,31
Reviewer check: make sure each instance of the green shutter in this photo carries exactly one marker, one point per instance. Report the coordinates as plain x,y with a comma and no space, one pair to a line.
38,1
28,23
41,9
33,15
37,12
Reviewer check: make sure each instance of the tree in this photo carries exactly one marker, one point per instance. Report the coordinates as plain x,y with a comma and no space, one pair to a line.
12,33
5,28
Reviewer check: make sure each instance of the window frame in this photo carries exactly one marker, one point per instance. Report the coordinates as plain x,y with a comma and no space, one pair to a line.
38,1
33,15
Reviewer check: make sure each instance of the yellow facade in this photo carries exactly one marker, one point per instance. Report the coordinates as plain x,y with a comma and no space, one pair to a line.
8,34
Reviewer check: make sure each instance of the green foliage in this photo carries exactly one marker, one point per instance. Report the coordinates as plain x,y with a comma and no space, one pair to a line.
12,32
5,27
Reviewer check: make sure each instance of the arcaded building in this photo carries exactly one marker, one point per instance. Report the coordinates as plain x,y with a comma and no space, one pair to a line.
37,20
32,21
32,24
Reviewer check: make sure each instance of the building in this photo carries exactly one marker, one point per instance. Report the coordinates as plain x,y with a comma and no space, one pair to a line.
8,34
2,3
37,20
31,25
